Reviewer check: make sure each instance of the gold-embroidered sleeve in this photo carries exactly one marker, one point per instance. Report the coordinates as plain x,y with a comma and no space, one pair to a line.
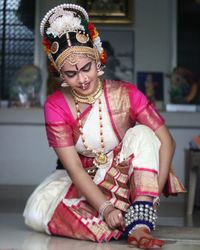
150,117
143,111
58,129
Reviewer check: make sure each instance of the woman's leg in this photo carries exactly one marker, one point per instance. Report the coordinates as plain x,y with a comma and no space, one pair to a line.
140,220
141,216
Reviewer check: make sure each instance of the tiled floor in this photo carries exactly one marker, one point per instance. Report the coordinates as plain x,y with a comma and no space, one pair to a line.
16,236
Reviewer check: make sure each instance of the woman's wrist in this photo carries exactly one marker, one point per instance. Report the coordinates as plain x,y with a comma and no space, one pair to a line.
107,211
105,208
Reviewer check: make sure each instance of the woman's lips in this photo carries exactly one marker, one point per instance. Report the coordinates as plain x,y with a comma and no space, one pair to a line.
85,86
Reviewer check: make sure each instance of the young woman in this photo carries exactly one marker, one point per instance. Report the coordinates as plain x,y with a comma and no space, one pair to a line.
114,170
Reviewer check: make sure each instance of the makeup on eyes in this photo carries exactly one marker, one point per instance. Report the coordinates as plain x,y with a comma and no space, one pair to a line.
72,73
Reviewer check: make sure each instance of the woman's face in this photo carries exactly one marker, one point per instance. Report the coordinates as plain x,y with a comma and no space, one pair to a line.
82,76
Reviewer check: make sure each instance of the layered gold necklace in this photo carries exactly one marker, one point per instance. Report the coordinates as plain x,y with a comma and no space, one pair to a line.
89,99
99,156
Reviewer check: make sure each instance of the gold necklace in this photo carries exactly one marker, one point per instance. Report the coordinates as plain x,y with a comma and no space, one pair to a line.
100,157
89,99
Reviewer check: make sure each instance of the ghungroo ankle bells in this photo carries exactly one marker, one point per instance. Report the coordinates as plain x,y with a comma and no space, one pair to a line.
140,214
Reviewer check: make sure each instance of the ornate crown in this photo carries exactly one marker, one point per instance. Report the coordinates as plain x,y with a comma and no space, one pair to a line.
66,31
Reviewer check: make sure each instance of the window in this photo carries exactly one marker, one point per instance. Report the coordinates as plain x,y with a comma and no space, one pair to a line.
16,39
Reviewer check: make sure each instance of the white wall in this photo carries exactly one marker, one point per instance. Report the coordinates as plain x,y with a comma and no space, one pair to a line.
154,38
153,29
25,157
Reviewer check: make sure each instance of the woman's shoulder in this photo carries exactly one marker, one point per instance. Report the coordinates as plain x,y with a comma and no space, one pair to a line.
120,85
56,97
56,106
57,100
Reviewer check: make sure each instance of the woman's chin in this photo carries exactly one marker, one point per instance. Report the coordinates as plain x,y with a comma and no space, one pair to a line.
86,89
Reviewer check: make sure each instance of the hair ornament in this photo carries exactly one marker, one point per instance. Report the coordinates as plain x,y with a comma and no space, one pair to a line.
63,24
61,9
54,47
92,30
67,33
94,34
81,37
68,39
47,45
103,57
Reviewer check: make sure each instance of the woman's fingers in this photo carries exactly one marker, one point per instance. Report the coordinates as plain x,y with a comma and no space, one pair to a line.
121,218
115,219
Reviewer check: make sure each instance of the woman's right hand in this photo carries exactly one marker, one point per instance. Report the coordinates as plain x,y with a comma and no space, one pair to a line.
114,218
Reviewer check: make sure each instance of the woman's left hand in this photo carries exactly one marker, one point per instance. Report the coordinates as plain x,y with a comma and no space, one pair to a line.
114,219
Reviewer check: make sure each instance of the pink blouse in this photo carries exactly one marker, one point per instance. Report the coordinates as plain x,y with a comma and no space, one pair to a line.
58,121
123,99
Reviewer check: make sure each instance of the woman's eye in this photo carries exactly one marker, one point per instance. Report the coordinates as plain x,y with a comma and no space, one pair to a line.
70,74
87,67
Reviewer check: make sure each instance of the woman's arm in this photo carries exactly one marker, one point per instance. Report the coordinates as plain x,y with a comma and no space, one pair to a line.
71,162
167,150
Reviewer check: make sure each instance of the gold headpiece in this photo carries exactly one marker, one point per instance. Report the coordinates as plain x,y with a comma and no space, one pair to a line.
66,33
70,55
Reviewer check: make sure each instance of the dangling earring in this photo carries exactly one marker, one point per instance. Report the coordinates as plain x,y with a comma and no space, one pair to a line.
100,72
64,84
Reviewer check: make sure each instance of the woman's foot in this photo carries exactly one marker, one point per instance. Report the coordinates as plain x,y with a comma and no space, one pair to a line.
142,239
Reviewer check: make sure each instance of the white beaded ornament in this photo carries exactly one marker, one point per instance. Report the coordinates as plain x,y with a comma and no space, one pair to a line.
61,10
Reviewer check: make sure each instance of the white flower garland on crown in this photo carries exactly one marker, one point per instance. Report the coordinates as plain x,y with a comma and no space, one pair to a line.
63,24
61,19
98,44
63,8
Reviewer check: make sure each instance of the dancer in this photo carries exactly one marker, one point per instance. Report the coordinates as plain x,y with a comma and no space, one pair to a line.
114,170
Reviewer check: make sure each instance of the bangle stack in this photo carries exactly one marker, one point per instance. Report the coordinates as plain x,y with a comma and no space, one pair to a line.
103,207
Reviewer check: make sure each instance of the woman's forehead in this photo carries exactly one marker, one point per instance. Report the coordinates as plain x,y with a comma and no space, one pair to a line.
80,62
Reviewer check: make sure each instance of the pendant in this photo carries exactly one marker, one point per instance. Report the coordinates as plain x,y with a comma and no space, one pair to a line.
91,99
101,158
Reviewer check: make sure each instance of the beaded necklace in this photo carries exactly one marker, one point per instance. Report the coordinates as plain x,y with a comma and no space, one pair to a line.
100,157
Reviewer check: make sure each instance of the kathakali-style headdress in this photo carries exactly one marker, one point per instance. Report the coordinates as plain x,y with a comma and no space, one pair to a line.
67,32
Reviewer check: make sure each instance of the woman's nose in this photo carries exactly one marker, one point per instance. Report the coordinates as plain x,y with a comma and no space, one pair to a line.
82,77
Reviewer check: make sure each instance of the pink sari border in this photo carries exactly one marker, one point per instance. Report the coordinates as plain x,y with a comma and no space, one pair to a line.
146,169
139,193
